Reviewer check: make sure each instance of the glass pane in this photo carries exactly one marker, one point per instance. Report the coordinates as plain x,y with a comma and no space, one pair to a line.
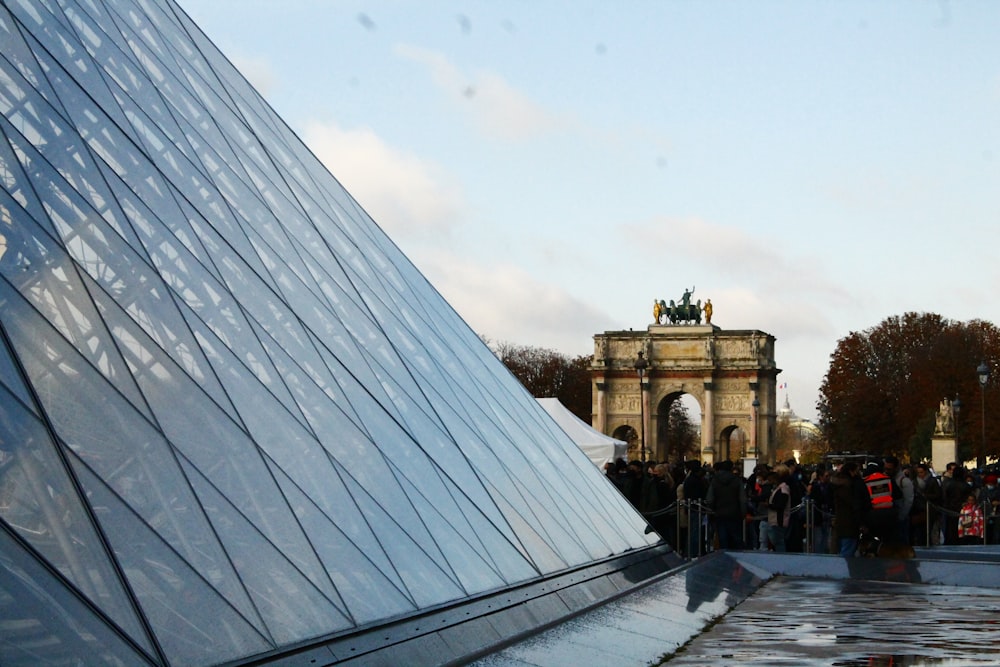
18,192
252,366
58,39
191,621
121,446
18,61
223,451
43,623
10,376
282,428
40,503
427,579
56,292
368,587
292,608
473,569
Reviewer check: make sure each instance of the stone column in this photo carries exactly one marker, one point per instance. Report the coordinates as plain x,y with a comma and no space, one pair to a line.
644,397
755,421
601,418
708,426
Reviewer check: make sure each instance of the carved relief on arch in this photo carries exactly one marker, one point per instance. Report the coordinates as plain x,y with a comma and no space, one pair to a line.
730,385
730,402
623,403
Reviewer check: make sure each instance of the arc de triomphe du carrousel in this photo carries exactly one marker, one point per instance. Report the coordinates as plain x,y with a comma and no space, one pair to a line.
637,375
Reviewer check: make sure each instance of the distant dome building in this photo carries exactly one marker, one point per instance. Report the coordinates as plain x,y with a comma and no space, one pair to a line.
800,432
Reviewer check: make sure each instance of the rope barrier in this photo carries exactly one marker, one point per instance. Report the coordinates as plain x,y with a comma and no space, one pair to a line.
698,513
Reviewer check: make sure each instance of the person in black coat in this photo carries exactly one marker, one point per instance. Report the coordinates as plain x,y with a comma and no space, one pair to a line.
727,499
850,504
632,484
695,490
796,533
663,495
954,488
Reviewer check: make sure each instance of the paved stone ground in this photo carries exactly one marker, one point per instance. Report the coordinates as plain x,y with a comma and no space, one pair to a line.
848,623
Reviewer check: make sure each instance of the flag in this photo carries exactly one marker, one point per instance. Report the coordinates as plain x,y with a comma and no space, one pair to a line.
783,385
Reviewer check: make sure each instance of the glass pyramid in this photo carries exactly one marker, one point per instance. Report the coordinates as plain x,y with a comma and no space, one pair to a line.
233,416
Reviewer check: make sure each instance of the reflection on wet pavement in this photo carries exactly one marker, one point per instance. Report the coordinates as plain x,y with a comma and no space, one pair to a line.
851,623
941,609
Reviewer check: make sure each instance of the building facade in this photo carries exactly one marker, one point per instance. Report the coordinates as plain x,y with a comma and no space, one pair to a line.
731,374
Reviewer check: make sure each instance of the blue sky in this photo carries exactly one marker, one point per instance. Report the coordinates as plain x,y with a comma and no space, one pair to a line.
553,167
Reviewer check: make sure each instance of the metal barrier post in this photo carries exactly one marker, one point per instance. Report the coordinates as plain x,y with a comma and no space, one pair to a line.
927,523
807,507
699,538
746,542
694,529
680,546
985,504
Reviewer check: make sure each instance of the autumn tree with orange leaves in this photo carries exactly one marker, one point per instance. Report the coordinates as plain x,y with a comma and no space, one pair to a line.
885,384
546,373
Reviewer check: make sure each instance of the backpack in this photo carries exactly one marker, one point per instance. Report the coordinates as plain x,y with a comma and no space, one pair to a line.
880,490
897,492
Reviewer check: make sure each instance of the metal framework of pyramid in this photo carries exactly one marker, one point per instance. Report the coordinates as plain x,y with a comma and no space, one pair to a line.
234,418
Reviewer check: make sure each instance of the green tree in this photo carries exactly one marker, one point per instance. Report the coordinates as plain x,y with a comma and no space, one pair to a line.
546,373
681,434
884,385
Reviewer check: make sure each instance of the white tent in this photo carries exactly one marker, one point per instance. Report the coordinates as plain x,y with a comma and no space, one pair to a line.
598,447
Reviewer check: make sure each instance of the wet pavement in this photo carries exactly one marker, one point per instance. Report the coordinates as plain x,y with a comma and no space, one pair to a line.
751,608
849,623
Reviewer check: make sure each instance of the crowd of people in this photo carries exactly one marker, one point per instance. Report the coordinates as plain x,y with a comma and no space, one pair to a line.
826,508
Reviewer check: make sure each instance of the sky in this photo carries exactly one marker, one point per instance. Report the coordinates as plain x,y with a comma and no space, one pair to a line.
811,167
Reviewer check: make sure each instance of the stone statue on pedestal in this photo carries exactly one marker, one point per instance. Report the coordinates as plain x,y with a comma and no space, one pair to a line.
945,419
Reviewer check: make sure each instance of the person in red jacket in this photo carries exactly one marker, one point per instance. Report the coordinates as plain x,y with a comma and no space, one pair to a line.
970,521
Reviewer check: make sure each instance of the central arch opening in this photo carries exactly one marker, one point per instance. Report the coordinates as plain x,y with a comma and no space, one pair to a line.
678,428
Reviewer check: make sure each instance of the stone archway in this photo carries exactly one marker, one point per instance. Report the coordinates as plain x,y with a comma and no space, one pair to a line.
730,373
734,442
628,434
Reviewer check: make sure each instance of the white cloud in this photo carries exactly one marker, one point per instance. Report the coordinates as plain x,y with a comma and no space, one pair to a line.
496,107
258,72
732,253
697,240
506,303
407,196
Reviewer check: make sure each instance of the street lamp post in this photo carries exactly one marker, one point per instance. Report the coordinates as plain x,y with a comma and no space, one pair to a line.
983,371
640,369
956,407
753,433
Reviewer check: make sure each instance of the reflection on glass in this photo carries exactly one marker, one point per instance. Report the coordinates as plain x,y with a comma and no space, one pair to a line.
233,414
